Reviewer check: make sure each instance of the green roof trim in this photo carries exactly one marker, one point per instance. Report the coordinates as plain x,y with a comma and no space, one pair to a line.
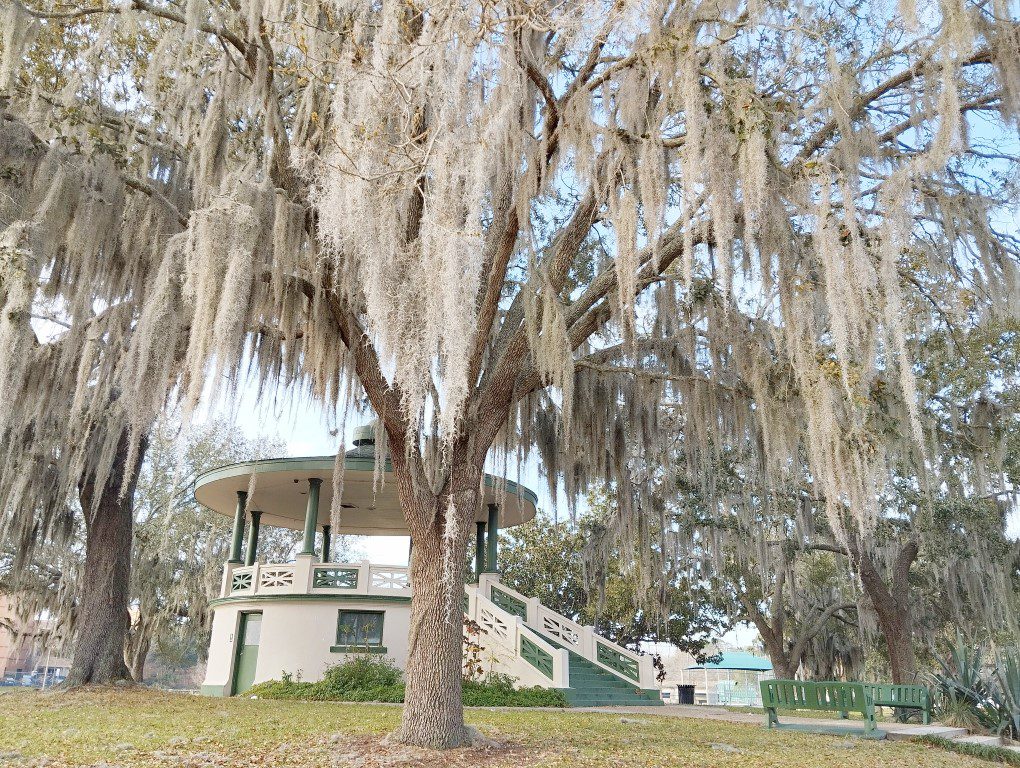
303,598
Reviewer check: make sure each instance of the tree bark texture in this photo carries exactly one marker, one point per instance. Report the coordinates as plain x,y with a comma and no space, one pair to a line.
102,621
433,715
895,614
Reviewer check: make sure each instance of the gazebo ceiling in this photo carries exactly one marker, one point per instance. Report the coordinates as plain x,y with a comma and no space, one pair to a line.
280,492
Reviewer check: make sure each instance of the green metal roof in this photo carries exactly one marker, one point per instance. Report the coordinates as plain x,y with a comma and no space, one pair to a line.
738,660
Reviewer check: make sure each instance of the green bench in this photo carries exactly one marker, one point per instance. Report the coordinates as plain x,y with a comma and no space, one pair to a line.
842,698
902,697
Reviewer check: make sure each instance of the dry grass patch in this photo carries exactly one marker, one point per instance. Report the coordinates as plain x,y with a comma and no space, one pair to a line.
142,728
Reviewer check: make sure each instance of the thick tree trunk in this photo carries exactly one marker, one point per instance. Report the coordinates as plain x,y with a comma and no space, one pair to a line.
895,615
102,620
433,714
783,668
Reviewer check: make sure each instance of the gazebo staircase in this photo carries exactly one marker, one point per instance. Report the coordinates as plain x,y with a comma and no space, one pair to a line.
538,646
594,686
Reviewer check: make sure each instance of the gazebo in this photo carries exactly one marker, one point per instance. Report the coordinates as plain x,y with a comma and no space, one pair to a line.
303,616
732,680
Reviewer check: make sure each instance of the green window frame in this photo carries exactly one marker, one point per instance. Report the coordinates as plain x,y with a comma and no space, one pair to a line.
359,632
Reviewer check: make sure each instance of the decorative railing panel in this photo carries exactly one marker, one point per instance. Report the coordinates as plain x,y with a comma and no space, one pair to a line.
307,577
334,578
391,579
618,661
276,577
551,624
537,657
508,602
241,580
495,625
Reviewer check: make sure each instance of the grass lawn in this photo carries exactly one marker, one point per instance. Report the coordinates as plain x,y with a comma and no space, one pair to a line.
148,728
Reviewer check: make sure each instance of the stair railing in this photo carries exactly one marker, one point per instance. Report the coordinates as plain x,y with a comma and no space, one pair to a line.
579,638
528,649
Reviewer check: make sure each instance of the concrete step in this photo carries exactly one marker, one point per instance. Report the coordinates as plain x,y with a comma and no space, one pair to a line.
984,741
905,732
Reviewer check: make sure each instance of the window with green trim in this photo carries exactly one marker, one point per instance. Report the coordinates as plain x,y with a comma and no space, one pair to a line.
359,628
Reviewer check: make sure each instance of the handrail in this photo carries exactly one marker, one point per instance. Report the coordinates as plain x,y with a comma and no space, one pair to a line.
581,639
304,576
511,633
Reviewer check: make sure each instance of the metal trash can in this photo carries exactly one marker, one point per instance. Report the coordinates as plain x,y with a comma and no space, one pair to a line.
685,694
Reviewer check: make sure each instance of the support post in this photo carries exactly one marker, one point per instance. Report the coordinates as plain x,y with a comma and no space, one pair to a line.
253,538
479,548
491,562
326,553
235,541
311,516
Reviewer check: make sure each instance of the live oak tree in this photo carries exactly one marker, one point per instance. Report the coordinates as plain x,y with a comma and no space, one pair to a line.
489,219
75,261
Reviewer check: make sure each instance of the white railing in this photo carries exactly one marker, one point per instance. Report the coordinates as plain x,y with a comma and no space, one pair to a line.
306,577
581,639
522,626
529,655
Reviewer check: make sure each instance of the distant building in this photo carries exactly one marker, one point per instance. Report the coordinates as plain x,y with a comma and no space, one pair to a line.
733,680
28,653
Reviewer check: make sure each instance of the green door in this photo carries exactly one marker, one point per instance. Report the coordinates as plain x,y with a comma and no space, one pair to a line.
247,655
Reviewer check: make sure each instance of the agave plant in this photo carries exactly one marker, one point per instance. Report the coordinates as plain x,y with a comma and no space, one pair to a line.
963,697
1006,691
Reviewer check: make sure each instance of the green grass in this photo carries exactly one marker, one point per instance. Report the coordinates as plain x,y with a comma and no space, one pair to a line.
982,751
880,713
148,728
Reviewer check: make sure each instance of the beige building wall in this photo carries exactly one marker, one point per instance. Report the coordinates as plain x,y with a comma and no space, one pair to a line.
296,637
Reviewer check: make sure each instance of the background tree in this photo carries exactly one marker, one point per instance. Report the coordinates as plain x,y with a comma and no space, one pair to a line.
76,248
546,560
454,209
180,547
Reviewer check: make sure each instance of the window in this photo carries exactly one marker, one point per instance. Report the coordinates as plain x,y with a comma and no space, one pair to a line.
359,629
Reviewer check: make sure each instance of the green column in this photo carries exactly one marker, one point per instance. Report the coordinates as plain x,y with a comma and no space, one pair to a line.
491,563
479,548
235,542
325,543
253,538
311,516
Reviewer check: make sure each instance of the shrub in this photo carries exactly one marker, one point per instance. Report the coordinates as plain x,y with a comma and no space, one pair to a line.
361,673
498,690
368,678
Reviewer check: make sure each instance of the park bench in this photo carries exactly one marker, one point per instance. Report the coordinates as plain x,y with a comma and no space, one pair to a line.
902,697
820,697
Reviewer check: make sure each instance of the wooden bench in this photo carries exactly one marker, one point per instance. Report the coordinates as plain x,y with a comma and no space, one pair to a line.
820,697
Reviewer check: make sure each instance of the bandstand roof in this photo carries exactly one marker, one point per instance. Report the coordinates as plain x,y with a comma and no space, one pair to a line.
281,493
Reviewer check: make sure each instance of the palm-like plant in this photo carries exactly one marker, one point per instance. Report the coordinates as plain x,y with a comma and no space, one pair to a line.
972,694
1006,691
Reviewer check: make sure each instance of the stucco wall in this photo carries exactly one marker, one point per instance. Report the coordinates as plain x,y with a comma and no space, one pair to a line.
296,637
